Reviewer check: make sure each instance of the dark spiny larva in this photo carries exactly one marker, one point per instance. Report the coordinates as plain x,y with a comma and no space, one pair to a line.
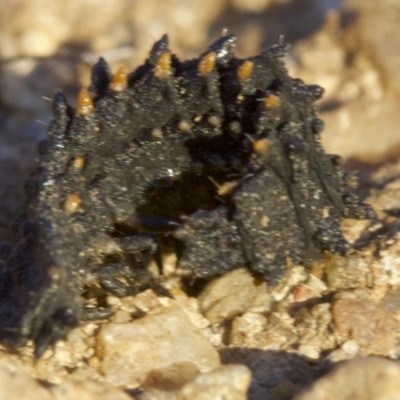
216,156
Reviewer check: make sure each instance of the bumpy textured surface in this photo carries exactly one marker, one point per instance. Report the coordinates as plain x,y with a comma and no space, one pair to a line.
218,157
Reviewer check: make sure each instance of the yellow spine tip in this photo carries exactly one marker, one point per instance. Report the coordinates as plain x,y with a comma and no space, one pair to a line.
245,70
84,104
120,80
163,67
207,63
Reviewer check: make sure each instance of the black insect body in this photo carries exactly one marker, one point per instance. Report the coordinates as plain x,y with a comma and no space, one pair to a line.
218,156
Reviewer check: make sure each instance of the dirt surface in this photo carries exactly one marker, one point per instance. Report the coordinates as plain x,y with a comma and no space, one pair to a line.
238,337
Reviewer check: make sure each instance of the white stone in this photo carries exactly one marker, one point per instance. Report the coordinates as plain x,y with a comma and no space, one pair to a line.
230,382
162,349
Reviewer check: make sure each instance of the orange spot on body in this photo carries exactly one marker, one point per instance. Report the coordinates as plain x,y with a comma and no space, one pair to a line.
207,63
163,67
84,104
72,203
78,163
120,80
261,145
272,101
245,70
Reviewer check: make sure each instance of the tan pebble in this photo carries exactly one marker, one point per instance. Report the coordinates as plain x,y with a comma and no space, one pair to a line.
359,379
219,300
227,382
368,323
17,383
163,346
121,317
94,362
